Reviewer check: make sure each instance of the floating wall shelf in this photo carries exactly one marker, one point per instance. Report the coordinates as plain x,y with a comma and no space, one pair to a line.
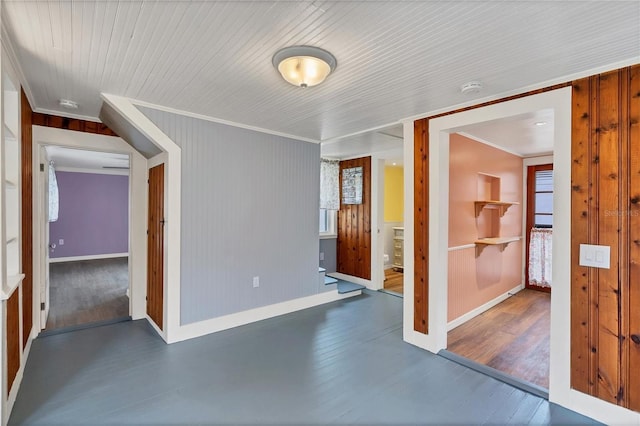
502,206
494,241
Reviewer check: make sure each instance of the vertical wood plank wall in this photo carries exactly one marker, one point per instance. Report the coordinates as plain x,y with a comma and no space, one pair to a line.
13,337
421,226
354,226
27,218
605,305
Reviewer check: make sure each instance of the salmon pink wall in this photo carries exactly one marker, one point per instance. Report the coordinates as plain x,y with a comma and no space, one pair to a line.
475,280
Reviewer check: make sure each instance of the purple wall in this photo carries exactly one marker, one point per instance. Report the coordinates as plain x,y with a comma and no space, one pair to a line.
93,217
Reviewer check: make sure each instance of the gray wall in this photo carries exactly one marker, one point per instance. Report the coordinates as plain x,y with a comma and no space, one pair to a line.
249,208
329,248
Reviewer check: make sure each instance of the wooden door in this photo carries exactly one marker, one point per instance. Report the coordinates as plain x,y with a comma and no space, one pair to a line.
539,209
354,225
155,245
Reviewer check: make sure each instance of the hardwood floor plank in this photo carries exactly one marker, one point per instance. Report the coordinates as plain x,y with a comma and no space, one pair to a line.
87,291
512,337
394,281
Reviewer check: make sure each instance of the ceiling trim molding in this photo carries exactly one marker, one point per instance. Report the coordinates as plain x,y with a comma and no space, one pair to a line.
491,144
335,139
67,115
118,172
7,45
548,83
220,121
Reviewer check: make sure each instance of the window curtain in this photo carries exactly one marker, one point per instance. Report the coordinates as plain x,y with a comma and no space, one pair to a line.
53,194
540,257
329,184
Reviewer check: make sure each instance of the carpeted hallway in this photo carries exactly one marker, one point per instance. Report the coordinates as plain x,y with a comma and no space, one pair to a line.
87,291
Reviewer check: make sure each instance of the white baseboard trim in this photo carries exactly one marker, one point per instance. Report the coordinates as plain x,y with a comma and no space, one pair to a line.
356,280
226,322
480,309
89,257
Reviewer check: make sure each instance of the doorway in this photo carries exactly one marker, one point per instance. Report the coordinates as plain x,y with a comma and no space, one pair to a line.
539,228
86,198
110,146
494,319
393,228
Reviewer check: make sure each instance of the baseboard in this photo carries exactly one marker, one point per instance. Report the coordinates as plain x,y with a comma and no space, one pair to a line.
226,322
480,309
356,280
89,257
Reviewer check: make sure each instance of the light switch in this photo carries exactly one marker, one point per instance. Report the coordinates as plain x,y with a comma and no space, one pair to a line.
595,256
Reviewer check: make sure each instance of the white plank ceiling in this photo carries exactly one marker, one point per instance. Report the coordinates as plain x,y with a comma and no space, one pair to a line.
396,59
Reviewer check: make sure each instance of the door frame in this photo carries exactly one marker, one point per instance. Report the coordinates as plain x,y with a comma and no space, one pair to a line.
44,136
528,215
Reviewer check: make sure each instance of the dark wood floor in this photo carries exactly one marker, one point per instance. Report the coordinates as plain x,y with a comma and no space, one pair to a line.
343,362
87,291
394,281
512,337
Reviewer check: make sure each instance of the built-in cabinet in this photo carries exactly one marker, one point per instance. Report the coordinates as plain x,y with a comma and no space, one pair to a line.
398,247
11,273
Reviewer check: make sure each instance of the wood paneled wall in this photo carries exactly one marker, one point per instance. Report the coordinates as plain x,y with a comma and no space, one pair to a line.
354,226
421,226
605,305
27,217
13,337
58,122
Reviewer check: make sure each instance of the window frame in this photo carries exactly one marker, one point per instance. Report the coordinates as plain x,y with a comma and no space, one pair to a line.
332,220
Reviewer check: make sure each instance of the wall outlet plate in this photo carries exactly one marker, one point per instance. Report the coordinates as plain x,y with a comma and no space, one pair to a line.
595,256
256,282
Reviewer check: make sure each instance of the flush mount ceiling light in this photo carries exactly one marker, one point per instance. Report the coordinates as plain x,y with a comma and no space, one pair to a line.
304,66
66,103
540,123
471,87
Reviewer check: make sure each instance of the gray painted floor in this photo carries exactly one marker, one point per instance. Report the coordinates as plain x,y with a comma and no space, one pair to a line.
87,291
344,362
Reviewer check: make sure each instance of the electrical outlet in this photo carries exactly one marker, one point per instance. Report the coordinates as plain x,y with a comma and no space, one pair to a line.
321,255
61,241
256,282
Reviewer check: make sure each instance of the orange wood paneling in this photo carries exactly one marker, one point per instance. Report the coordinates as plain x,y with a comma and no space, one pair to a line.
27,217
582,160
13,337
155,245
58,122
354,226
632,339
421,226
605,320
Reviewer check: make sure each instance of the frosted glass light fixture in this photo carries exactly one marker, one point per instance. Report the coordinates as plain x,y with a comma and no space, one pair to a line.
304,66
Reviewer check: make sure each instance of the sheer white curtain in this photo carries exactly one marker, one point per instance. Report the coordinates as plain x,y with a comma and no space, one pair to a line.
540,257
53,194
329,186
